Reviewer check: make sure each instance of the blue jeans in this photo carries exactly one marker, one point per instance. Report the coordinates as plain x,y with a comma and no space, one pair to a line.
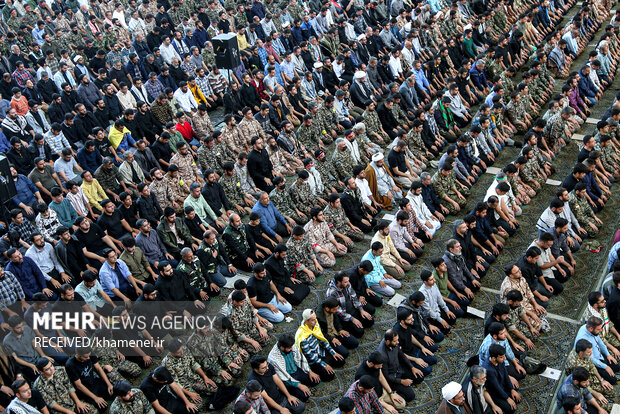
275,317
219,277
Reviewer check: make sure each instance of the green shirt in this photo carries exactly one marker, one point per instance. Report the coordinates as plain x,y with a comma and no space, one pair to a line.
201,207
442,283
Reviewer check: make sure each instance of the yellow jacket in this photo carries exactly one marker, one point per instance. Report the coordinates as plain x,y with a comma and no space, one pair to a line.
94,192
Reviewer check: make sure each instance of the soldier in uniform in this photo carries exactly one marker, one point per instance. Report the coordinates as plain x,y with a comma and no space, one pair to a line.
530,171
580,206
57,390
249,127
214,356
109,356
328,173
310,134
580,356
374,130
444,184
198,276
283,162
187,372
240,245
301,193
231,136
282,200
300,257
179,188
183,159
339,223
556,131
129,400
164,194
326,247
342,159
202,122
210,156
246,328
229,181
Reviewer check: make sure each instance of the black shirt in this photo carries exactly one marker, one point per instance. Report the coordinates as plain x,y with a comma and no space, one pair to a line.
129,214
83,371
112,224
260,289
36,400
397,161
93,239
266,380
155,391
364,369
194,226
70,306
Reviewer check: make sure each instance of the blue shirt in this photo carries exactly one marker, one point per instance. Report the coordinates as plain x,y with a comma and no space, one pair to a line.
599,349
29,275
483,351
613,256
378,272
109,279
25,191
569,389
5,146
420,79
269,217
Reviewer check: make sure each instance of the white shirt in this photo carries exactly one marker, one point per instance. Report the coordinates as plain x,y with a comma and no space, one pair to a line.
168,53
396,66
127,100
362,184
186,100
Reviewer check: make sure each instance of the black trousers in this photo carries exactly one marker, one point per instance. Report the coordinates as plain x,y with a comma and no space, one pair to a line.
364,228
281,230
304,379
329,360
406,391
300,291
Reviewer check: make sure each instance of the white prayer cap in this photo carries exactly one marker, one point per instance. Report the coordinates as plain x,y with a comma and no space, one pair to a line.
307,314
359,74
450,390
362,36
76,58
318,65
377,157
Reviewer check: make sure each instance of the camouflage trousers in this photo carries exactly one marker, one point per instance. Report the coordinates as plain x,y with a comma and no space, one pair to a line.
325,260
354,235
461,203
256,336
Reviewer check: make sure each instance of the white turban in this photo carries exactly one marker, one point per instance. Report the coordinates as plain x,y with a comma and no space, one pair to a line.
377,157
450,390
359,74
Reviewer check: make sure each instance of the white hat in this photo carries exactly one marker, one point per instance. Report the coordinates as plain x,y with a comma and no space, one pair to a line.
377,157
318,65
450,390
359,74
362,36
76,58
307,314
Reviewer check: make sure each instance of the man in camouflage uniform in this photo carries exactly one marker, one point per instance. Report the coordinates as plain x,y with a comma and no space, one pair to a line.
328,173
210,156
129,400
246,328
281,199
531,173
583,359
556,131
249,127
202,122
342,159
163,192
444,184
208,55
280,159
326,247
516,114
186,371
180,189
184,160
229,181
57,390
110,356
580,206
327,120
231,136
609,158
214,357
374,131
197,275
301,193
339,223
309,134
300,257
515,322
507,83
